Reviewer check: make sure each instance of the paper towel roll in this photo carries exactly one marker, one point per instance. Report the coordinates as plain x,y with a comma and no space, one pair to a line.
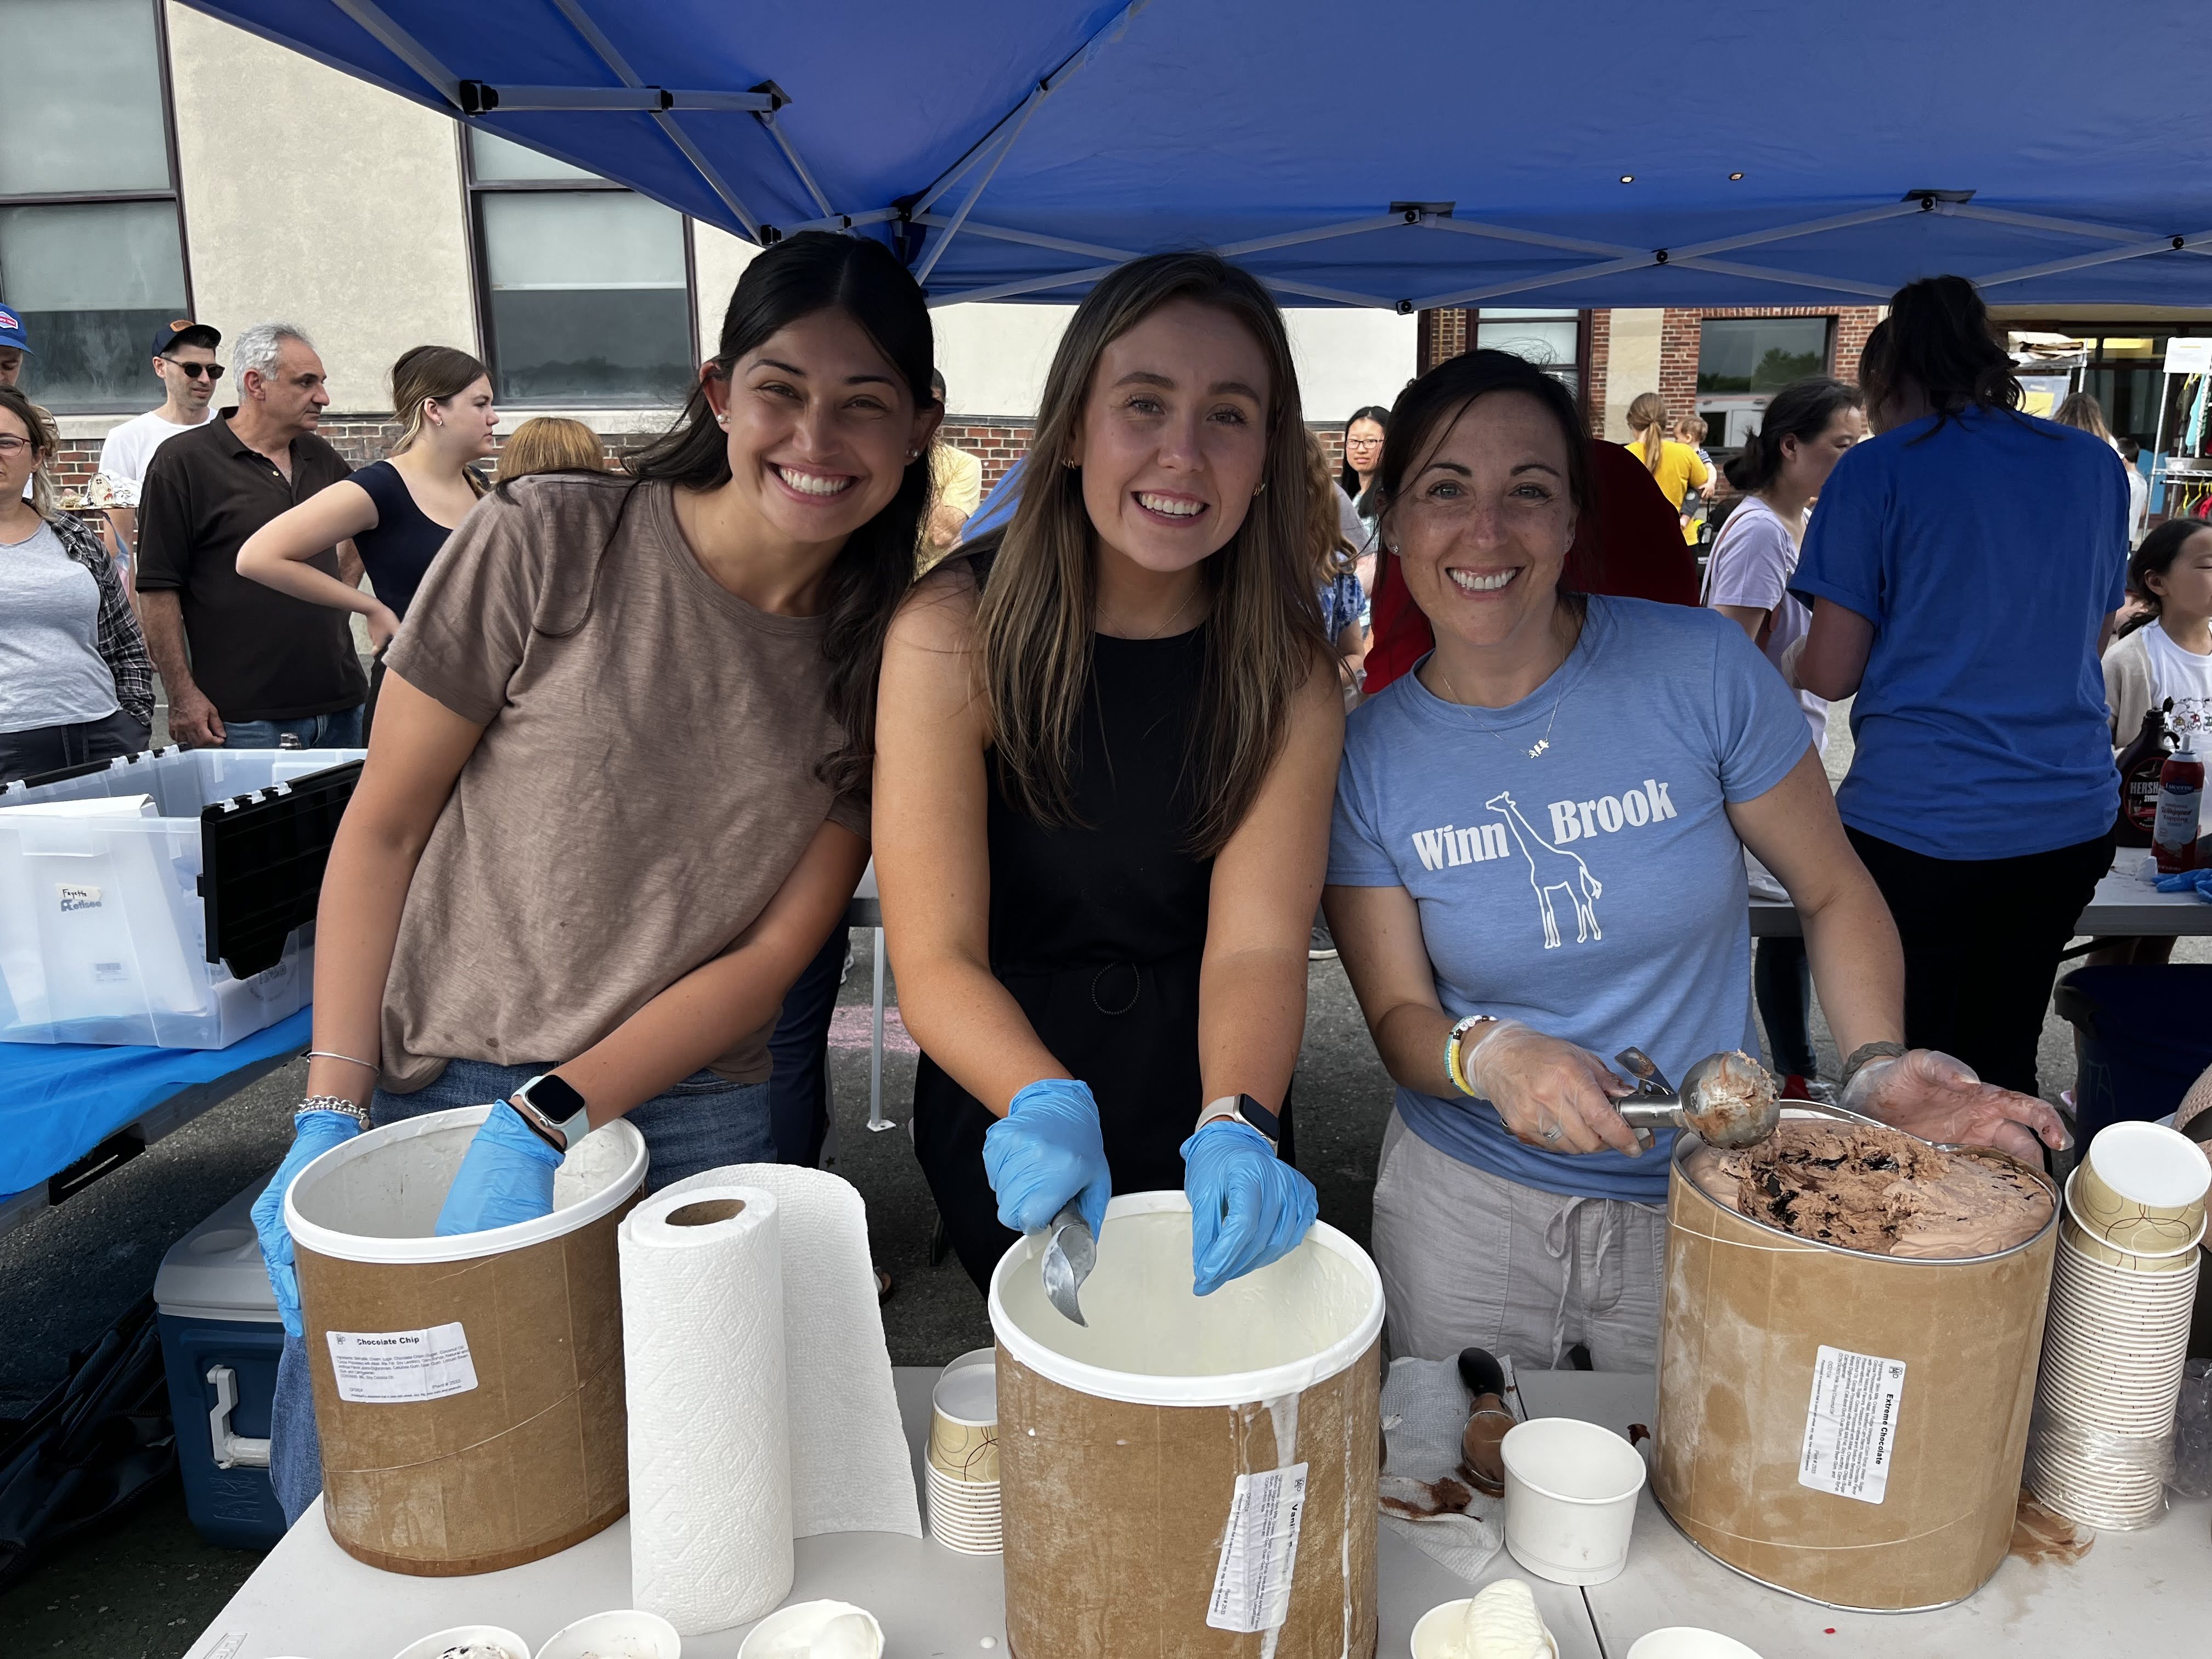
703,1344
851,1468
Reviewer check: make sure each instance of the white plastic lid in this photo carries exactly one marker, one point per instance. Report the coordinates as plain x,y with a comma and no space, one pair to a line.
216,1271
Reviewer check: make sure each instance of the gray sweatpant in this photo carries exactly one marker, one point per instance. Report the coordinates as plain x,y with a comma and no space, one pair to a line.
1471,1260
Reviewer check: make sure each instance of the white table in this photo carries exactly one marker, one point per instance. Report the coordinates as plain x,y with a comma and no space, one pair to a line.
2147,1593
2123,907
2134,1593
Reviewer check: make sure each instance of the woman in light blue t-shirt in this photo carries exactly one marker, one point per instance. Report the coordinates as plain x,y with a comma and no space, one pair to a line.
1537,860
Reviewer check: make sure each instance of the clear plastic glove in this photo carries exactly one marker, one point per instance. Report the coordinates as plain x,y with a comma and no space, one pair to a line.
1931,1094
1247,1207
1554,1095
1046,1150
507,1177
313,1134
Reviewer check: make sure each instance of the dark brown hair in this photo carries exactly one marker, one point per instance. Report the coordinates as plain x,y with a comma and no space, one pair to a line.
1937,336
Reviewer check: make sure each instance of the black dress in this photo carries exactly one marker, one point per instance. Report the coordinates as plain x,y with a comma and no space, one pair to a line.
1097,929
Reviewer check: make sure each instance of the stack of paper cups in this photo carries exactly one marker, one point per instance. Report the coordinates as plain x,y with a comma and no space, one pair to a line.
2117,1335
963,1456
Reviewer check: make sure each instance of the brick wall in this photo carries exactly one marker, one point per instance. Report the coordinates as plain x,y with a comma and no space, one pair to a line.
1681,329
997,444
1601,356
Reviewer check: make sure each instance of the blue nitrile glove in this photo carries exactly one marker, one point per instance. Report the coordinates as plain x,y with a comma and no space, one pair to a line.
1046,1150
313,1134
2198,882
505,1177
1247,1207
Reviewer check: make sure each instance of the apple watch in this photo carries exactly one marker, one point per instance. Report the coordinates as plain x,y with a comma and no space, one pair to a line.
1248,1111
545,1102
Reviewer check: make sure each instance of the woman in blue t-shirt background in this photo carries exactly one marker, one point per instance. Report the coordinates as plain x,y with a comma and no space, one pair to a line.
1964,568
1537,860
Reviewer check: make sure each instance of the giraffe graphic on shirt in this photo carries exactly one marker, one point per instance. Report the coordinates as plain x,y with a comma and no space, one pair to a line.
1556,871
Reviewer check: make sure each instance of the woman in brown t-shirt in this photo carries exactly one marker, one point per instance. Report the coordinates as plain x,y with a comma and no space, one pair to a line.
616,794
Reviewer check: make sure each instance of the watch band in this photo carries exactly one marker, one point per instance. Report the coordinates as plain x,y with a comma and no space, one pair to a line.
1243,1109
1865,1053
559,1096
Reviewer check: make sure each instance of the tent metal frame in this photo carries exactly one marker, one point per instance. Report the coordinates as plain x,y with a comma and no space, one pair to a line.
983,159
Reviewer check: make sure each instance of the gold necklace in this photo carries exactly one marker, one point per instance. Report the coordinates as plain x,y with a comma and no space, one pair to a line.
1542,743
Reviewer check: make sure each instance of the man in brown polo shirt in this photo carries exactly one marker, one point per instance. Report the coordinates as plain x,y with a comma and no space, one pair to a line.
244,664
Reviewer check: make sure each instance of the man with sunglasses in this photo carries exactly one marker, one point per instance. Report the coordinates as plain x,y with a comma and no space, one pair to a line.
184,360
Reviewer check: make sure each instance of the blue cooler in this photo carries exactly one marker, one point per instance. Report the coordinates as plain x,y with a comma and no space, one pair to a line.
220,1339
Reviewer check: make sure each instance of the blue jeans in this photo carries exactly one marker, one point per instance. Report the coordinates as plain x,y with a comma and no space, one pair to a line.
704,1123
798,1097
339,731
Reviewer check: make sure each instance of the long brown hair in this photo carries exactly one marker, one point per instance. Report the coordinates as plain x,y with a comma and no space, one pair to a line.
431,374
1647,415
1331,555
1037,618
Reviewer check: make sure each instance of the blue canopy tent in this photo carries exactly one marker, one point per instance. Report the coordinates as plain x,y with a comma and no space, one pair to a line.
1406,154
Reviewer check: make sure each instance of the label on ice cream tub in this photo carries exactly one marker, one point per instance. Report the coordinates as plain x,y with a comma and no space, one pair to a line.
1850,1427
390,1367
1259,1551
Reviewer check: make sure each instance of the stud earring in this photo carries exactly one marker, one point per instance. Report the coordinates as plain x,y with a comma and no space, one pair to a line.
722,420
1262,489
913,454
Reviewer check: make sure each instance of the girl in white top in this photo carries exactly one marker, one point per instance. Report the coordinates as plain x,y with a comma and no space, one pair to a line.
1806,430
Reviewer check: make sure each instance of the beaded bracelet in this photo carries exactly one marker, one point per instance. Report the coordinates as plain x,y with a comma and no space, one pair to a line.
1453,1044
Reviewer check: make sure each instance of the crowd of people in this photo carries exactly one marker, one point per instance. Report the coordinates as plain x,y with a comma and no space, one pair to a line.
1114,734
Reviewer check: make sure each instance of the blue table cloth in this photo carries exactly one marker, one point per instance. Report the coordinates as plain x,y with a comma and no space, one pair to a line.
58,1101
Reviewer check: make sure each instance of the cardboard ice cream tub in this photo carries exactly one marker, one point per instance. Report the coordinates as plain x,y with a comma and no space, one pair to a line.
1847,1427
469,1391
1188,1475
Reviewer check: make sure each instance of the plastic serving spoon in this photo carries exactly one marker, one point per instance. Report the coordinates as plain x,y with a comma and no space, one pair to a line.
1070,1252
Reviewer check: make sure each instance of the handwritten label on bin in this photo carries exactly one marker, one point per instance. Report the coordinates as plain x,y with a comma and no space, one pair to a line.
389,1367
1258,1552
1851,1428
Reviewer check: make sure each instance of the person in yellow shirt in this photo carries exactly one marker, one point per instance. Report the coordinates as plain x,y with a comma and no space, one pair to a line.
1674,467
957,490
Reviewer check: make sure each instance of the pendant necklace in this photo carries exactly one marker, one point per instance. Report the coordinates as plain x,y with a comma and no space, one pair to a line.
1178,618
1542,743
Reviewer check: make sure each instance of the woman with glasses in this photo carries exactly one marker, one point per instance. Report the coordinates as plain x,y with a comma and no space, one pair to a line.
75,682
1363,463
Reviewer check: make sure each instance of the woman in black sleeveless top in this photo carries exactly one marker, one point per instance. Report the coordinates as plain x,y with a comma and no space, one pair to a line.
1108,747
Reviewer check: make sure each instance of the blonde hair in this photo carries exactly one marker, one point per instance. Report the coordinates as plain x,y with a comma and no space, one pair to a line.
1035,623
1647,418
549,443
1691,428
1332,555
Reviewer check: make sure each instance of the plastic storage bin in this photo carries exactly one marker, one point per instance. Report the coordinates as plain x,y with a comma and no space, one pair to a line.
187,928
220,1339
2145,1036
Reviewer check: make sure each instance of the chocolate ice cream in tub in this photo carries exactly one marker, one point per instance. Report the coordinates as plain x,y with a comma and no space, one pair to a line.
1844,1425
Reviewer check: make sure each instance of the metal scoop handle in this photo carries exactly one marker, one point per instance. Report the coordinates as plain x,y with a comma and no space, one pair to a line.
1069,1254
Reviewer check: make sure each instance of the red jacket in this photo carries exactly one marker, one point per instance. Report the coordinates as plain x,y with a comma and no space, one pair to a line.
1629,544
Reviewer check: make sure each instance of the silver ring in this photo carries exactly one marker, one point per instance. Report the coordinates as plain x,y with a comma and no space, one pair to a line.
1554,1132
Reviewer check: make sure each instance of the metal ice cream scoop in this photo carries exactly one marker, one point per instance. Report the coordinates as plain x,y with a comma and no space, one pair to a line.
1070,1252
1726,1100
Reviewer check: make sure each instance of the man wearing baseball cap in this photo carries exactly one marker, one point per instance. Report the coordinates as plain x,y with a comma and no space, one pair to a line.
183,361
14,346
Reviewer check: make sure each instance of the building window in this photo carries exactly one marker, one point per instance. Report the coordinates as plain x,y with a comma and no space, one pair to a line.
1557,339
91,252
1760,355
584,288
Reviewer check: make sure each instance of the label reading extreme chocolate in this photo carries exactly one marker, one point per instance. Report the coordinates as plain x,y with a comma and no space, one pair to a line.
1850,1427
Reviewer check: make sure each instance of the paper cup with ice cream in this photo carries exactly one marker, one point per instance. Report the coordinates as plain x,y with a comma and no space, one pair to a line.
1501,1623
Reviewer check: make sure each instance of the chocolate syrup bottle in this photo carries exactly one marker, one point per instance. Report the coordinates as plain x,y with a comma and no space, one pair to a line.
2180,798
2140,764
